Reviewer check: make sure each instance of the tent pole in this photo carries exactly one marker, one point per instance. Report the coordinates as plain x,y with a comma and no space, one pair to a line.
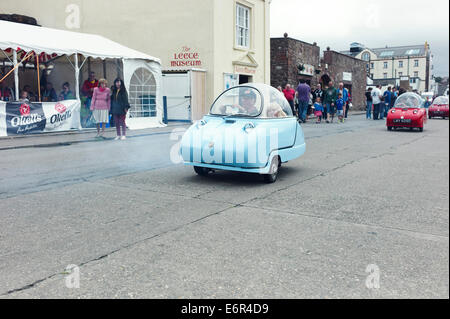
16,75
38,76
77,77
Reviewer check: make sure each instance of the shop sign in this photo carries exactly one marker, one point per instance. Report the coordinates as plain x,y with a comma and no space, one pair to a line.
244,69
306,69
186,58
346,76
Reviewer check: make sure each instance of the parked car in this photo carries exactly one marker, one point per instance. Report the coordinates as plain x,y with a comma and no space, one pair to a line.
439,108
250,128
408,112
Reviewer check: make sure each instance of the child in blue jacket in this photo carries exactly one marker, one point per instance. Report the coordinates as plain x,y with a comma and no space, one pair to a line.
340,108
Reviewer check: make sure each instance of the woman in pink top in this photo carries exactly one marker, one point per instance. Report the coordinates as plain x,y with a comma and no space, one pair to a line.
101,103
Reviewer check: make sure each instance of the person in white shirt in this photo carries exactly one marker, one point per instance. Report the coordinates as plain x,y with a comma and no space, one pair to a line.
376,99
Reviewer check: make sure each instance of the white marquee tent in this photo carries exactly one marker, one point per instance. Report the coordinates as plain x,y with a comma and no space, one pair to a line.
141,72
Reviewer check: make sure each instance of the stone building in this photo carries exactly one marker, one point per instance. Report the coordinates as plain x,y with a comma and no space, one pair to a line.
294,61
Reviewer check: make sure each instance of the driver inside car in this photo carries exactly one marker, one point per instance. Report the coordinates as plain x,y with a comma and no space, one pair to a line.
246,106
247,100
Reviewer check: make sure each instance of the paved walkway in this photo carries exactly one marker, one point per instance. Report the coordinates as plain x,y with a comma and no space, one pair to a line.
75,136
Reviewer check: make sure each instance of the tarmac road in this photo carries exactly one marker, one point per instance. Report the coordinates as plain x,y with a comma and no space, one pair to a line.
137,225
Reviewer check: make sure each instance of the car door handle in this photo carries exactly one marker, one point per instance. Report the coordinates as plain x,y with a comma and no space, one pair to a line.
247,127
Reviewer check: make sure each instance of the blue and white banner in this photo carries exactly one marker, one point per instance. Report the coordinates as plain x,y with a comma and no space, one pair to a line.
23,118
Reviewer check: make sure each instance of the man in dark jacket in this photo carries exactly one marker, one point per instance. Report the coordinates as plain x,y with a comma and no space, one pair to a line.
329,100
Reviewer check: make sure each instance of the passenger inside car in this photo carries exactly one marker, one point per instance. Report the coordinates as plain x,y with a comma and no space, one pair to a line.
275,110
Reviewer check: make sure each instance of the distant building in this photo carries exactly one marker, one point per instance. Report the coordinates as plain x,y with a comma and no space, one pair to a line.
395,65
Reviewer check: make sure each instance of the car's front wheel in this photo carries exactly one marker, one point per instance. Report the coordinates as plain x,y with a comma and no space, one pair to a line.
202,171
389,128
273,173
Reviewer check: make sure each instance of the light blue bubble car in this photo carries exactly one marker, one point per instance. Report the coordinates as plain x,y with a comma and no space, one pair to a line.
250,128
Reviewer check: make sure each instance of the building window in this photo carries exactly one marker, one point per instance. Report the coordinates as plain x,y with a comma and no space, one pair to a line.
400,64
385,75
366,56
242,26
416,63
400,73
416,74
372,65
371,75
385,65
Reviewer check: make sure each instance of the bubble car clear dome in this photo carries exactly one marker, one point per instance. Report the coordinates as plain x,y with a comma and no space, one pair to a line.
441,100
409,100
255,100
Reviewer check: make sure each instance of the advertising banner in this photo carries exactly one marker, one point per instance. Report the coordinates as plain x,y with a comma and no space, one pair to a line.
22,118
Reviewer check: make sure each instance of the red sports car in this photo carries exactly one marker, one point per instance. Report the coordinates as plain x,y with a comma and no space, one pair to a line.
439,108
408,112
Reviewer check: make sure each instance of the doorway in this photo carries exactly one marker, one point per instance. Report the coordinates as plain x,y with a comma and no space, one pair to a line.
243,79
177,89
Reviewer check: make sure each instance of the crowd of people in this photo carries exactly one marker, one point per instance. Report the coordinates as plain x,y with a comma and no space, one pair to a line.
325,104
48,93
379,103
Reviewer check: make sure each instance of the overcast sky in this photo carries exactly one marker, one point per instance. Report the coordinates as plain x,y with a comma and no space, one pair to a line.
373,23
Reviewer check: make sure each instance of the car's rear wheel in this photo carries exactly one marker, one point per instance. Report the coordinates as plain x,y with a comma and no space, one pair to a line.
202,171
273,173
420,129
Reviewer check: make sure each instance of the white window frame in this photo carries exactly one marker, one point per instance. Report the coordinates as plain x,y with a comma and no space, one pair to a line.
385,75
385,65
243,24
416,74
416,63
400,74
400,64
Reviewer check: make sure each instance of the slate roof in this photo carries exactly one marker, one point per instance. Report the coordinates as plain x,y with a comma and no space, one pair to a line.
389,52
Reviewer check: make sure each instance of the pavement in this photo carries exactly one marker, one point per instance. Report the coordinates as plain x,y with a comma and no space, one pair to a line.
363,214
76,136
